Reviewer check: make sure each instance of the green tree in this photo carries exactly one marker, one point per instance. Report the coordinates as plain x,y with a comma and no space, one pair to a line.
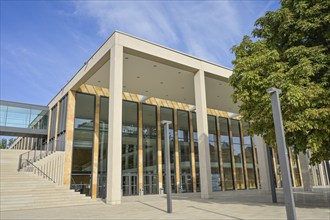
3,143
290,51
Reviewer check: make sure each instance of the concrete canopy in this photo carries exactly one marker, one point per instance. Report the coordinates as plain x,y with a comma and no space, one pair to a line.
151,70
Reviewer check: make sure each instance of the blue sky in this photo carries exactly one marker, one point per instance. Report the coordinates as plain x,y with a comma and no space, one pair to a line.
44,43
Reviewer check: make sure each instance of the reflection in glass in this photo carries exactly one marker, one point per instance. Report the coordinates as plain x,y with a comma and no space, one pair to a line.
130,148
214,155
248,148
194,125
226,153
238,157
149,132
167,114
83,143
103,147
184,151
296,172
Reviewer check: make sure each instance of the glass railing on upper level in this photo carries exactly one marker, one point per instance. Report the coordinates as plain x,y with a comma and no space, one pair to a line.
21,115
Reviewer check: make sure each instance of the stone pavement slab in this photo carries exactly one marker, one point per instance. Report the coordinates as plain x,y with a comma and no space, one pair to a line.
224,205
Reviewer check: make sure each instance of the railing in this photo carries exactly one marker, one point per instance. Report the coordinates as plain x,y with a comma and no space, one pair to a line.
37,171
37,153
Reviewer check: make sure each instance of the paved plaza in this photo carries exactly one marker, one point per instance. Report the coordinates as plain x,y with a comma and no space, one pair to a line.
252,204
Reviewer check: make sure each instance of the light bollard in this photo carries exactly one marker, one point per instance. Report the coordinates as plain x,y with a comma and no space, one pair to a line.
168,165
282,153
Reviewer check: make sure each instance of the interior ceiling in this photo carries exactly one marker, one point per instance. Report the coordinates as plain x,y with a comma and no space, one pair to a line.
154,79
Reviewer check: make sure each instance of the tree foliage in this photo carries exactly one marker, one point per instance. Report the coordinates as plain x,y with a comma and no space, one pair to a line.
290,51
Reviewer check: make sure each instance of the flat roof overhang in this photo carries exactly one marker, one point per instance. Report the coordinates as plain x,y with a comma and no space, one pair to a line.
22,132
151,70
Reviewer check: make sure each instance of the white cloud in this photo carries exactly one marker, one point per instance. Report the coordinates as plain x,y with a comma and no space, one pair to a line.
206,29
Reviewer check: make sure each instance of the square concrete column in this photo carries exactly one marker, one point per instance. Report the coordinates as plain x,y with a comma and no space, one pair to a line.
115,126
305,172
263,164
203,135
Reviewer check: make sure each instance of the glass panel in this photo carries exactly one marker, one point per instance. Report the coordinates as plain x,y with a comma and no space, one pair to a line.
194,125
214,155
83,142
103,147
295,168
149,126
248,148
226,154
130,143
238,158
167,114
184,151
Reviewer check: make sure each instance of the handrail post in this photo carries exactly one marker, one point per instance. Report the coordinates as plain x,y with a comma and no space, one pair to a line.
20,163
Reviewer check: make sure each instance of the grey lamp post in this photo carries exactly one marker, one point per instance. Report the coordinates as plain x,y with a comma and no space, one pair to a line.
168,165
282,153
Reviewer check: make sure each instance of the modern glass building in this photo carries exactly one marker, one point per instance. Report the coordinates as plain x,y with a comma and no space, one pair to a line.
107,120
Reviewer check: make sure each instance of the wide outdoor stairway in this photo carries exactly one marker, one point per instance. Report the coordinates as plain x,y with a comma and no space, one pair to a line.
24,190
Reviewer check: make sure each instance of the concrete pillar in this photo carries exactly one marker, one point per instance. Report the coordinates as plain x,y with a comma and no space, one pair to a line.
263,164
203,135
114,191
69,130
56,125
305,172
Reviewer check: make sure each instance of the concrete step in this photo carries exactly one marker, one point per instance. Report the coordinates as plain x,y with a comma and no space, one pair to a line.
23,200
44,205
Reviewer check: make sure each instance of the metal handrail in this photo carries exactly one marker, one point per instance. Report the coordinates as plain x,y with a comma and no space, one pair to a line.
40,171
45,149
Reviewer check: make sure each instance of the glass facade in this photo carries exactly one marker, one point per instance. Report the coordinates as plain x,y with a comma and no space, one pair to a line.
130,148
103,147
167,114
83,143
214,153
226,154
237,150
194,126
238,156
149,134
249,157
184,151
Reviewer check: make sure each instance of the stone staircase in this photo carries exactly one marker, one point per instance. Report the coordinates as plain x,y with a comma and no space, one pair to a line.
25,190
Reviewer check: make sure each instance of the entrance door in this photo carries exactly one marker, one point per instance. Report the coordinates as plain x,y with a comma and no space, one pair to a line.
172,183
186,183
102,186
129,184
150,184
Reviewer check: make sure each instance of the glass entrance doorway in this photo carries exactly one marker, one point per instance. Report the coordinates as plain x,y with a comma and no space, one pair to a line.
129,184
186,183
172,183
150,183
